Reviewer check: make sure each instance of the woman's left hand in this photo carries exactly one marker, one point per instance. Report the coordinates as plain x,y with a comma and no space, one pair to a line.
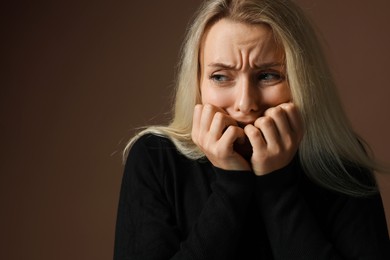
275,138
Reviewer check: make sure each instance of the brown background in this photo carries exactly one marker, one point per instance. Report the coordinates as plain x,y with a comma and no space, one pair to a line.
78,76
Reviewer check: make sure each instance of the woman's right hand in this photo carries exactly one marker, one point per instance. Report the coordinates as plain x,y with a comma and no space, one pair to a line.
215,133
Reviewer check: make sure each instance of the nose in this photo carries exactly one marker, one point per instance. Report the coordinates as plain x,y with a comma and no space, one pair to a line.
247,99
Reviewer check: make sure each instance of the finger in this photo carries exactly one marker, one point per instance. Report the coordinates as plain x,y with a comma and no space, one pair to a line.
232,134
220,123
256,138
294,118
196,122
281,121
206,119
269,131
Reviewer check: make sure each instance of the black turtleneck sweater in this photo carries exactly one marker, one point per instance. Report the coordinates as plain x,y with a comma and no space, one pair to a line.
171,207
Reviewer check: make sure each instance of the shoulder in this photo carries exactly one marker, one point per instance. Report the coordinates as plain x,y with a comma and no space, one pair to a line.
152,141
150,144
150,147
148,159
156,153
154,161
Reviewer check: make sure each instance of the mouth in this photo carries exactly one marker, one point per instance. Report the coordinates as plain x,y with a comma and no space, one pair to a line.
243,124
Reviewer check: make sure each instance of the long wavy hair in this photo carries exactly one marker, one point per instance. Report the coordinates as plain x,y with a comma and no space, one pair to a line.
330,146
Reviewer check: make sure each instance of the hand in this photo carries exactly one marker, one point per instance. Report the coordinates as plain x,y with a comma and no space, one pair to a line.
215,133
275,138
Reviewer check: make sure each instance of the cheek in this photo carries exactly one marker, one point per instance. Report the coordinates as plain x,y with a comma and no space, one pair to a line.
277,95
216,96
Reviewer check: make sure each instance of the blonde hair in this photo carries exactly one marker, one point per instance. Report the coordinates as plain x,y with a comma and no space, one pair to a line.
330,146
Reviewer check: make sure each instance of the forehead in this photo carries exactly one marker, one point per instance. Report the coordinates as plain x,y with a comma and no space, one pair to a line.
227,38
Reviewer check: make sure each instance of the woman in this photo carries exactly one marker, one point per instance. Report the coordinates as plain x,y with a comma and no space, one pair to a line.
259,161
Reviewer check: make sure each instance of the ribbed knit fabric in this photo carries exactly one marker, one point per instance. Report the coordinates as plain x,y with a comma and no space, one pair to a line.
171,207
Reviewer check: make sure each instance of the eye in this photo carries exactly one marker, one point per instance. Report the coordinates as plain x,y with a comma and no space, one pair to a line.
270,78
218,78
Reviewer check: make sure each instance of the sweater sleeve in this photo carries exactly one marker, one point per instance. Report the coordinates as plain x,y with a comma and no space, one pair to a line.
146,227
351,228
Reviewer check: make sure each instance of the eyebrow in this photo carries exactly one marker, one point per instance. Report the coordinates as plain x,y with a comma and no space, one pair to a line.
257,66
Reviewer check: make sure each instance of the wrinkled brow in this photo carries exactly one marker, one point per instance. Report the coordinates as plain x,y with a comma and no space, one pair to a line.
262,66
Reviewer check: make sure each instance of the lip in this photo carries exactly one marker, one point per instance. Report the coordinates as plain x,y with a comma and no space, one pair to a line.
243,120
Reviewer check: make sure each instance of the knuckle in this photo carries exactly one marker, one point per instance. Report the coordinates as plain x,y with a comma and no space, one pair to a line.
291,109
277,150
288,106
198,106
274,111
264,121
208,108
235,129
219,116
230,130
251,131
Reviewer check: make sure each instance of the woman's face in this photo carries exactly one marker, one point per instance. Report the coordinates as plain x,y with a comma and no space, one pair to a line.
242,70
